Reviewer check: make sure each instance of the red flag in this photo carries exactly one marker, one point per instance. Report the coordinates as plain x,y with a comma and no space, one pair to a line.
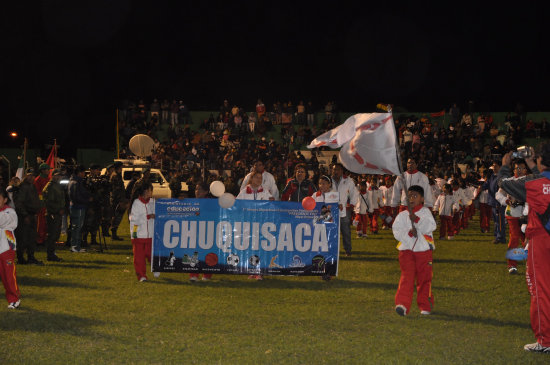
51,158
438,114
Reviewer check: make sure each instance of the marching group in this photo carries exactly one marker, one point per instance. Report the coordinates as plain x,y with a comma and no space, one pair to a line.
35,210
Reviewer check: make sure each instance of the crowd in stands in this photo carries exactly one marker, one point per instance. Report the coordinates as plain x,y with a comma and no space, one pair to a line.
229,140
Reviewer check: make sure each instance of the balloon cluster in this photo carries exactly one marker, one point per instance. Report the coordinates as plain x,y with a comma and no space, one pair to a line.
225,200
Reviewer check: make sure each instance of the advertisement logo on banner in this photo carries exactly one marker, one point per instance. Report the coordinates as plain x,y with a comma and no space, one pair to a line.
252,237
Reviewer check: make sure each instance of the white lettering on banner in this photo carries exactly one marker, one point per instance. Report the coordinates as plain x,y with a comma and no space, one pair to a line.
269,243
302,245
320,239
169,240
243,237
206,238
545,189
285,238
224,237
188,234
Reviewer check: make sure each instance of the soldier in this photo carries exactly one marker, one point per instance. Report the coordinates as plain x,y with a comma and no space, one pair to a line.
54,199
175,184
92,219
27,205
106,210
80,198
144,179
119,202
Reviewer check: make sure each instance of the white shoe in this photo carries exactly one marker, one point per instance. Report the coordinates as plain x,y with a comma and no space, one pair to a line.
536,347
74,249
425,313
142,279
512,271
205,279
193,278
401,310
14,304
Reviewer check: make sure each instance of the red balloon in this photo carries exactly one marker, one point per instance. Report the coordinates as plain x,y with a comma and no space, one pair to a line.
308,203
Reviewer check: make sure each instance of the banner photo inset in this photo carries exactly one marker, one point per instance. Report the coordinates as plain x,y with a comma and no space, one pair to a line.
252,237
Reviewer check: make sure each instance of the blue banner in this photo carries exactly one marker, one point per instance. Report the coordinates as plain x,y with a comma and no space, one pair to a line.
252,237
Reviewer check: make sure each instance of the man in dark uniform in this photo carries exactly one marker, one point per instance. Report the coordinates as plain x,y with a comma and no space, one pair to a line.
119,203
106,210
54,199
93,213
27,205
175,184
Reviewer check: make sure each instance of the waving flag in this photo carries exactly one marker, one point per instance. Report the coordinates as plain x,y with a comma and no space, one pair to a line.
368,143
438,114
51,158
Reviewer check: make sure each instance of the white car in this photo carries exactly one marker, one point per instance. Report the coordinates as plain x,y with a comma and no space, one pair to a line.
160,184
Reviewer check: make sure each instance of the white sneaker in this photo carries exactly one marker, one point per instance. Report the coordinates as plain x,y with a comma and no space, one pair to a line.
193,278
425,313
74,249
401,310
512,271
14,305
142,279
536,347
205,279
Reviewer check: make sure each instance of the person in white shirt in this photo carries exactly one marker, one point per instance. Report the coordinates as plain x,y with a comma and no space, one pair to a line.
386,210
254,190
416,245
345,186
268,181
446,205
375,201
142,223
412,177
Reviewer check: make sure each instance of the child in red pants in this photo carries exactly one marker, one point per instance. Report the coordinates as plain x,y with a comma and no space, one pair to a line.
415,254
446,205
8,223
142,222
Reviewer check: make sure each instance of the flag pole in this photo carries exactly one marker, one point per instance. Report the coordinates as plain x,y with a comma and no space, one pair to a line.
402,174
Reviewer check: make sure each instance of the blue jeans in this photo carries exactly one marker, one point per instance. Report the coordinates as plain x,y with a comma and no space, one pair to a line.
345,230
77,220
500,223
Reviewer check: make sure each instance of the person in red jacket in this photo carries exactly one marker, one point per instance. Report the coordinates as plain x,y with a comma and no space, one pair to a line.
535,191
299,187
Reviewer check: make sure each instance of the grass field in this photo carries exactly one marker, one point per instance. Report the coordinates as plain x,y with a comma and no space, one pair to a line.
90,309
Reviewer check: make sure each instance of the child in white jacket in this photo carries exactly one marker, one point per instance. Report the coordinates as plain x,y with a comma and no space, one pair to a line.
415,253
8,223
142,223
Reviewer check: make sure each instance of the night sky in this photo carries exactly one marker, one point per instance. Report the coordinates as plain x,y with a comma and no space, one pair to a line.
66,64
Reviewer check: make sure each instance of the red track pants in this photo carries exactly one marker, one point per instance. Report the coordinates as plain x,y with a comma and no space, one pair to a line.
538,282
8,276
446,226
142,251
485,213
415,266
516,237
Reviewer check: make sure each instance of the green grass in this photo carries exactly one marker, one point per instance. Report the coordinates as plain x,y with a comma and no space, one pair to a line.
90,309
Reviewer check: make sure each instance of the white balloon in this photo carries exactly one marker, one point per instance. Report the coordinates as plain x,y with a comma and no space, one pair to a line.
226,200
217,188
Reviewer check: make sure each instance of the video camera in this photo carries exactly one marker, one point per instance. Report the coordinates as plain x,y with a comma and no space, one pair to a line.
522,152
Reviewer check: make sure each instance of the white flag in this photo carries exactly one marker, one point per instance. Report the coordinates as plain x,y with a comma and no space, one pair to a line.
368,143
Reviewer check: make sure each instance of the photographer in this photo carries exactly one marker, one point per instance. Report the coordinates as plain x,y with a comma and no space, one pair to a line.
534,189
